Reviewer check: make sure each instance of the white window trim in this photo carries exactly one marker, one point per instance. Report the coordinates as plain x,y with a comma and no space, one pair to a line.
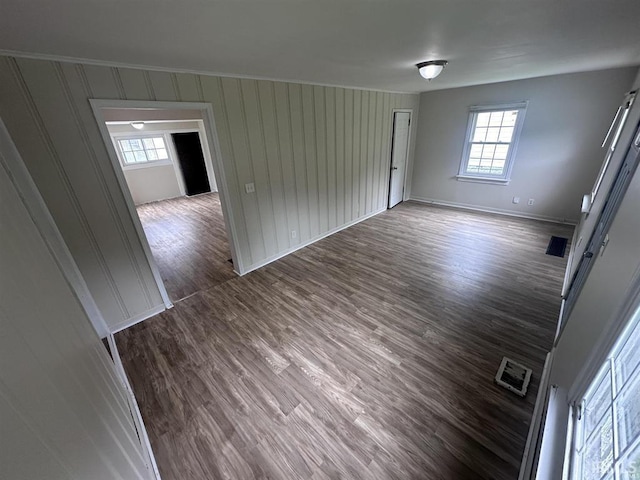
504,179
151,163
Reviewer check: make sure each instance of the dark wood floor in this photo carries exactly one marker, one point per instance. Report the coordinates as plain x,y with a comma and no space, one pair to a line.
368,355
189,243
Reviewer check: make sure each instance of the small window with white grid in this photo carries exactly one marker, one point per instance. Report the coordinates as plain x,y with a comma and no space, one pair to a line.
608,431
142,150
492,136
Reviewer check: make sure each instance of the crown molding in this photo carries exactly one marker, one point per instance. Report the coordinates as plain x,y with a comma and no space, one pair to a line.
107,63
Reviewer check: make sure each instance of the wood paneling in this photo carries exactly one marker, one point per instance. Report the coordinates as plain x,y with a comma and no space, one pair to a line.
302,146
63,412
367,355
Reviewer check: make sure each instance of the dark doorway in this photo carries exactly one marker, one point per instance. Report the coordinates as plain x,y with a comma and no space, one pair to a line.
191,160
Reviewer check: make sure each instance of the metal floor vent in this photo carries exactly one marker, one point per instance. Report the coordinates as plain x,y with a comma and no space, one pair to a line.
513,376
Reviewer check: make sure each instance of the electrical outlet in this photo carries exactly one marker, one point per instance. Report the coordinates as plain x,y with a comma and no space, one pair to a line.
516,199
250,187
294,234
531,201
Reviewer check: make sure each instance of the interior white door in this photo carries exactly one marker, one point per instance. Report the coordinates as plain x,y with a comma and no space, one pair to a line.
399,152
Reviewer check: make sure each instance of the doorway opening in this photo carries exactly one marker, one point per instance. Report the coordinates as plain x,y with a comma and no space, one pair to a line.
399,156
173,183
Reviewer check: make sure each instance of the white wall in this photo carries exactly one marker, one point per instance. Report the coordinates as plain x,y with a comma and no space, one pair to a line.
318,157
558,154
63,413
151,184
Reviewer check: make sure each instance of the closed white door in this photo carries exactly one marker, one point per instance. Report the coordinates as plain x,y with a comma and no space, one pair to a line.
399,152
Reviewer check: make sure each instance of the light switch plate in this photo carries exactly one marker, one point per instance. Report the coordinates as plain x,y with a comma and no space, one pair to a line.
250,187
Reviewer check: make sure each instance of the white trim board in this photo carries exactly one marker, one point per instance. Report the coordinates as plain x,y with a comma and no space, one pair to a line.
312,241
153,68
497,211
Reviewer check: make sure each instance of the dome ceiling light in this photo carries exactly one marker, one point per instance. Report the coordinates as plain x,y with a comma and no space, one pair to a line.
431,69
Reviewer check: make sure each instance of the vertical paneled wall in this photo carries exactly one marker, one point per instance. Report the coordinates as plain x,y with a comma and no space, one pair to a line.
318,156
63,412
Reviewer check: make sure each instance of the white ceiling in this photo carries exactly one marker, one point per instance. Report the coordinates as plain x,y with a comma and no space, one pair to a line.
370,44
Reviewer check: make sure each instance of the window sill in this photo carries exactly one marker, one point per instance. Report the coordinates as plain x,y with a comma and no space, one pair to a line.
493,181
154,163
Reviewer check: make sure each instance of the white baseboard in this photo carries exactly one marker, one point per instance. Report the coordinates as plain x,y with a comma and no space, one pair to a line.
497,211
135,410
138,318
278,256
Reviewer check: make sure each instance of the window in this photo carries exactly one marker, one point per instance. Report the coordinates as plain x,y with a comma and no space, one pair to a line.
141,150
608,431
492,135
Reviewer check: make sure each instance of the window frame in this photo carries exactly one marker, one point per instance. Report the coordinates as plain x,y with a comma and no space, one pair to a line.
149,163
505,177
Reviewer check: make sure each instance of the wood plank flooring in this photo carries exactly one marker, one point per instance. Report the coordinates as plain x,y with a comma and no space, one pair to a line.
189,243
368,355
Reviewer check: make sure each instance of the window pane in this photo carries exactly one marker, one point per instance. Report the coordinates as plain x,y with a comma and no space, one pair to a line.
483,119
630,465
498,167
628,414
479,135
501,152
124,145
136,144
629,357
510,118
488,151
485,162
496,119
140,156
147,142
506,133
129,157
162,153
159,142
152,155
598,454
474,162
492,134
476,150
596,404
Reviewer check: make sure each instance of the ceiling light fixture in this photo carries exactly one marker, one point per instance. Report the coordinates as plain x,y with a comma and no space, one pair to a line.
431,69
137,125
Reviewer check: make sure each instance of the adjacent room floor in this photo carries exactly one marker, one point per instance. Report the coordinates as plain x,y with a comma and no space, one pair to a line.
368,355
189,243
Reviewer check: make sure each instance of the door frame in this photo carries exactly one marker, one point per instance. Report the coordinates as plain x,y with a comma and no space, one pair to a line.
210,139
390,155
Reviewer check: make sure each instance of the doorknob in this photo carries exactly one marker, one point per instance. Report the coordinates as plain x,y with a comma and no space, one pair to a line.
587,254
394,168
